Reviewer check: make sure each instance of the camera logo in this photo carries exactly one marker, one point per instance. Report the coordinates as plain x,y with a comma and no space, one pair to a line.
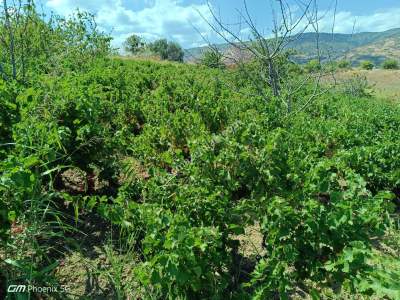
13,288
22,288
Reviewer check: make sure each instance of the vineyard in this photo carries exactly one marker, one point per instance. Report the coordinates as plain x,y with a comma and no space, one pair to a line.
124,179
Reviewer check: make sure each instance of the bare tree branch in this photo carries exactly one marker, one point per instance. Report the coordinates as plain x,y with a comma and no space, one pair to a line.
269,53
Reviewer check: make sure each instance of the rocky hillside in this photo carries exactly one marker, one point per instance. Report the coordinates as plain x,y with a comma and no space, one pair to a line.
375,46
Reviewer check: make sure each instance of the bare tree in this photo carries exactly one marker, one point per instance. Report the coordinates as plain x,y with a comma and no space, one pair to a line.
289,22
11,38
14,37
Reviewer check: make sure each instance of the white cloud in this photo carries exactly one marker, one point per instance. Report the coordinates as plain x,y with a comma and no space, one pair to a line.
375,22
173,19
157,18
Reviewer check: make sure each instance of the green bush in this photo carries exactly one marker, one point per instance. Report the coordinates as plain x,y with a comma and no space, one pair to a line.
390,64
212,59
181,260
190,164
367,65
343,64
356,86
313,66
175,52
133,44
167,50
51,44
301,235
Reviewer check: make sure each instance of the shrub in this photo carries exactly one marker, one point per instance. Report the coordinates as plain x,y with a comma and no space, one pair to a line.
302,235
313,66
160,47
357,86
367,65
212,59
330,66
390,64
181,260
49,44
175,52
167,50
134,44
343,64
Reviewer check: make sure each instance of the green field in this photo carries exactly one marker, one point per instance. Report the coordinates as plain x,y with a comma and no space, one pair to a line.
139,179
169,183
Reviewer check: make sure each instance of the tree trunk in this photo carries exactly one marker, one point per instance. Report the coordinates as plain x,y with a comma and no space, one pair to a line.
273,78
11,35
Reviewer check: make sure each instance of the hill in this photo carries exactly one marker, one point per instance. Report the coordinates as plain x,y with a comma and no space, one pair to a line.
374,46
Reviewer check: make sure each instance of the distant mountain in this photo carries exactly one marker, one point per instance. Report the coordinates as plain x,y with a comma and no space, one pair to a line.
374,46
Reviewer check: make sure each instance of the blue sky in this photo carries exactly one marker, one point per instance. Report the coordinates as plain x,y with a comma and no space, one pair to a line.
182,20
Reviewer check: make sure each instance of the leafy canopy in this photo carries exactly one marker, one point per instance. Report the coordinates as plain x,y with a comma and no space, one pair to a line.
134,44
167,50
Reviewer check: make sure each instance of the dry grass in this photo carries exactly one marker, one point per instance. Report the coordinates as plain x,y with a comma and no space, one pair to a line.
144,57
386,83
152,58
251,241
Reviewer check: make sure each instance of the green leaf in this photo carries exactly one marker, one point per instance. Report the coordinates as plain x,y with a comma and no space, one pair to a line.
197,271
315,294
14,263
236,229
49,268
12,215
